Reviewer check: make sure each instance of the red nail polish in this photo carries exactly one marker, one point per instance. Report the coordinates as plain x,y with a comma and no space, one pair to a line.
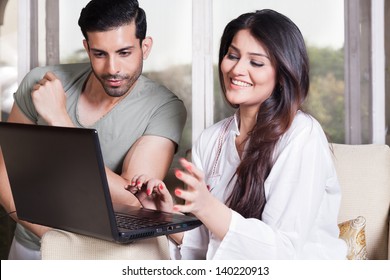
178,173
177,192
148,192
160,186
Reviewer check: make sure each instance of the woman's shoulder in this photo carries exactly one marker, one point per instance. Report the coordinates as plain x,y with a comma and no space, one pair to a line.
221,126
304,126
305,133
305,121
212,133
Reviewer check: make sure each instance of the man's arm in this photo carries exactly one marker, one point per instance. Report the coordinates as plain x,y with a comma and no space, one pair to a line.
150,156
6,198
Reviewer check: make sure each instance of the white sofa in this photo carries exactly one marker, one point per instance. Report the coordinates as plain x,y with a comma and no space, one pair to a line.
364,175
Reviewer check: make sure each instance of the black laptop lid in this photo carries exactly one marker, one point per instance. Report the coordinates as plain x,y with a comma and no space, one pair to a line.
43,155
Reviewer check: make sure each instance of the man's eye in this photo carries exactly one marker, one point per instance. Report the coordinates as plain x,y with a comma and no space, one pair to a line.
98,54
124,53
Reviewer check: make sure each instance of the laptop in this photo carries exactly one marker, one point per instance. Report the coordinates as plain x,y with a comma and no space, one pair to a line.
58,179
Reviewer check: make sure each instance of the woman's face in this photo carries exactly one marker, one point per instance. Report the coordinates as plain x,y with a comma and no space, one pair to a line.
248,74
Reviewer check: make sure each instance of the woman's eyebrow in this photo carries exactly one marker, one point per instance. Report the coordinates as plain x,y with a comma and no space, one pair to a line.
251,53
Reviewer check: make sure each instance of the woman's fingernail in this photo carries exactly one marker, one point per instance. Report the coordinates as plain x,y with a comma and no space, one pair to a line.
178,192
160,186
148,192
138,183
178,173
175,208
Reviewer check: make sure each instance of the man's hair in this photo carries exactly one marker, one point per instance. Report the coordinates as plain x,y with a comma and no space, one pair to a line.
105,15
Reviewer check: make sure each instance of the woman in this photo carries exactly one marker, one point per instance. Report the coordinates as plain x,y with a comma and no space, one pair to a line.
262,181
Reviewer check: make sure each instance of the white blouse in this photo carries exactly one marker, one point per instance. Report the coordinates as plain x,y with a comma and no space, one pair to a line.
302,193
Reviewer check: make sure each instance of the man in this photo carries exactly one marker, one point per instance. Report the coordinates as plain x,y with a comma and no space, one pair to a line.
139,122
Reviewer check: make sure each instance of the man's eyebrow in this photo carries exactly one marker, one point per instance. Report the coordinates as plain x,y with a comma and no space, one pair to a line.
117,51
251,53
129,48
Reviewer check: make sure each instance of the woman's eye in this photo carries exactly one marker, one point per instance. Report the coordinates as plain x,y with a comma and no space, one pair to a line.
232,56
257,64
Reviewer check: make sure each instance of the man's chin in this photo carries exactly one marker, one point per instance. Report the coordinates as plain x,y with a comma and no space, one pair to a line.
115,91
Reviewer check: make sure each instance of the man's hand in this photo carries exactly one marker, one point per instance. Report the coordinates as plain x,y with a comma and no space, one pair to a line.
49,99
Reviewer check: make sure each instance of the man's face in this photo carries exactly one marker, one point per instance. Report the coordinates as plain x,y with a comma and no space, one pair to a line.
117,58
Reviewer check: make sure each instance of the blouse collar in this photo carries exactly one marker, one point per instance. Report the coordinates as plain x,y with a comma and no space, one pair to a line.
236,123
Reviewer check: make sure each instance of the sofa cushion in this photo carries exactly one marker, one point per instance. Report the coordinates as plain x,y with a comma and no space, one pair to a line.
353,233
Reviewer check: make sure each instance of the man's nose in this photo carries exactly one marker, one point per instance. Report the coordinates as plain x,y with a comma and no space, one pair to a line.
113,66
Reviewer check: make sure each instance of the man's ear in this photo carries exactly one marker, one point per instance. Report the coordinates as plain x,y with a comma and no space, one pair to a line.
86,46
147,44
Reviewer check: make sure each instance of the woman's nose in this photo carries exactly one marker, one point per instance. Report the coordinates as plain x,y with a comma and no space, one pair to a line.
239,68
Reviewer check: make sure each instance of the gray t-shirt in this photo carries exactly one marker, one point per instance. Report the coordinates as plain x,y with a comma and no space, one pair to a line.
150,109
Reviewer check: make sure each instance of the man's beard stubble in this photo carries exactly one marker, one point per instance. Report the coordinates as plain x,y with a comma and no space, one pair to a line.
124,88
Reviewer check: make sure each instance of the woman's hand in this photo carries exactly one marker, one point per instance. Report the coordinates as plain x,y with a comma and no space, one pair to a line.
197,195
215,215
151,193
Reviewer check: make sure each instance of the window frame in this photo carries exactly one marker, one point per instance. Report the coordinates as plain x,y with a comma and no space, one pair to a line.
378,67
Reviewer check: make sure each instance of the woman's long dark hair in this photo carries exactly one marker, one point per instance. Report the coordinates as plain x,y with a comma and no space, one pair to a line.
286,48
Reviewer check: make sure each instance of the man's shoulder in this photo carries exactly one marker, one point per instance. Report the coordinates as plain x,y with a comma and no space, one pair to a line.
60,70
146,84
156,95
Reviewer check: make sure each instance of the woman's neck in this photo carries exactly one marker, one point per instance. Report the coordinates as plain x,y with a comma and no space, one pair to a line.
247,121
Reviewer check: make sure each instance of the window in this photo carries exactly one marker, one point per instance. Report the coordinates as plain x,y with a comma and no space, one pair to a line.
320,24
184,55
387,67
8,56
365,72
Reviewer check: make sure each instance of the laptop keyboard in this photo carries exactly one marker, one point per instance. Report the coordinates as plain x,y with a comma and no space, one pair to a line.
135,222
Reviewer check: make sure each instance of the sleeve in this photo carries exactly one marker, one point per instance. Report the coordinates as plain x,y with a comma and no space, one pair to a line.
294,190
194,246
168,120
22,96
